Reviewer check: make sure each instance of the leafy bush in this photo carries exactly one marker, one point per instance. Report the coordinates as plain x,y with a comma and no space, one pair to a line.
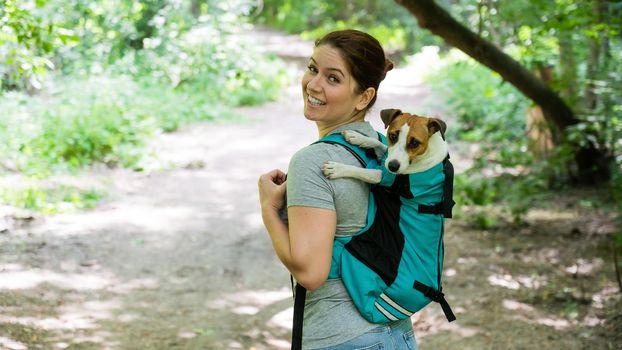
222,65
58,199
101,119
27,40
487,201
80,125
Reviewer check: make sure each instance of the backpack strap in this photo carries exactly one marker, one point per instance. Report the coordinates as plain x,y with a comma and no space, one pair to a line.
361,154
299,310
444,208
446,205
436,296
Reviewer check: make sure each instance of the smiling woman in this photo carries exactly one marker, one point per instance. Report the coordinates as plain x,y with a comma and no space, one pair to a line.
346,69
338,87
329,91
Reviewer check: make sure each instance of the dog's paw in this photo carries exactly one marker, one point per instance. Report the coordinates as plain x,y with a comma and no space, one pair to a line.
353,137
332,170
358,139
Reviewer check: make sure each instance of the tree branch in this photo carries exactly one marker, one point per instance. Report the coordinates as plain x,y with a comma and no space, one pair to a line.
434,18
592,163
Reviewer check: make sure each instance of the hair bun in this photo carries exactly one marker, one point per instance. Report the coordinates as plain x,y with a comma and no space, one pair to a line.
388,65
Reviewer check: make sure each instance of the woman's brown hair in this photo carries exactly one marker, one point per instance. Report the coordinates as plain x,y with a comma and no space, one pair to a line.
363,55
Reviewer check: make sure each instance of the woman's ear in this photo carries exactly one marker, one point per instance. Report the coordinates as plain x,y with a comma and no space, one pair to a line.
365,98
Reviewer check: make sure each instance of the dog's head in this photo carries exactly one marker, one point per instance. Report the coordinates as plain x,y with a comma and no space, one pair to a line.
408,136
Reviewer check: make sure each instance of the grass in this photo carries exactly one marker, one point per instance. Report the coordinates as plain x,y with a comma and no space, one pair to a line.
59,199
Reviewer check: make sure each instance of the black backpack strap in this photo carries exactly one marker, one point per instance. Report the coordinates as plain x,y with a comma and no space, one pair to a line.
299,310
356,155
436,296
358,152
448,188
446,205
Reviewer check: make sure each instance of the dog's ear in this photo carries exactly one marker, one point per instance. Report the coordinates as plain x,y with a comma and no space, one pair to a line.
387,115
435,124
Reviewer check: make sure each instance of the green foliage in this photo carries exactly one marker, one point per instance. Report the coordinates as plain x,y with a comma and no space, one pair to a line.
575,47
205,58
488,200
59,199
505,178
484,110
576,50
161,39
107,30
101,119
392,25
97,122
616,193
122,72
485,106
27,40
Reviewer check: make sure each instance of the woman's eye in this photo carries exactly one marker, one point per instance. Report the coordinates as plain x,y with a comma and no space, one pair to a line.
333,79
312,69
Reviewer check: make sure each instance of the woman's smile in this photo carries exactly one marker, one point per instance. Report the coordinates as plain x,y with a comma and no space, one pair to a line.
315,102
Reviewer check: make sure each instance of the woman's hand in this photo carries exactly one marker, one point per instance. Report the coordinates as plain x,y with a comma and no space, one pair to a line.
272,187
305,243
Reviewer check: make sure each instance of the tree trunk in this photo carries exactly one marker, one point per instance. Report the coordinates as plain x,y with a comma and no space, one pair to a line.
195,8
593,61
592,166
568,67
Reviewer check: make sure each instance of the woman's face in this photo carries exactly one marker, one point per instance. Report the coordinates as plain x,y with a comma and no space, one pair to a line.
328,88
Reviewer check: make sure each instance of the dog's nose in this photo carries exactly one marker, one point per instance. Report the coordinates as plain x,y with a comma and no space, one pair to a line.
394,166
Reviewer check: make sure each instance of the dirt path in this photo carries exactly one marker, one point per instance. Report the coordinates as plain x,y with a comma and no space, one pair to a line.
179,259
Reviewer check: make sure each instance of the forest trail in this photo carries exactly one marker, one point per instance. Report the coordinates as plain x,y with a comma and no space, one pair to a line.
179,259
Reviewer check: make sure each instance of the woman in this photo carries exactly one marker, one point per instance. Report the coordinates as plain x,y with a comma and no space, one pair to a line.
338,88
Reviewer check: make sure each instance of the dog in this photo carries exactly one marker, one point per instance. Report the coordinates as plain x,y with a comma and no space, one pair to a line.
402,245
415,144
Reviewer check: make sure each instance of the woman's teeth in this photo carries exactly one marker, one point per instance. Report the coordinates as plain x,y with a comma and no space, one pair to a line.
314,101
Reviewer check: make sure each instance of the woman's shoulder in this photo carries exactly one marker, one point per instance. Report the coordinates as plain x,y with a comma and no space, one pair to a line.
314,153
308,161
320,152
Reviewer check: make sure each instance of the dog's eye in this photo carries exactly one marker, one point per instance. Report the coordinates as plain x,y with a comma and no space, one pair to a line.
393,137
413,143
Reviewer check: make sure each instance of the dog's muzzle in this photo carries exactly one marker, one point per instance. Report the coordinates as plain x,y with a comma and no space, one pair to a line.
393,166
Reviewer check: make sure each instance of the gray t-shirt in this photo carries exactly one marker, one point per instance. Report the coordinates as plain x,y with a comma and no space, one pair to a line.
330,315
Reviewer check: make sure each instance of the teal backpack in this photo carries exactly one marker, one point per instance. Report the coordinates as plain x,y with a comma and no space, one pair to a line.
392,267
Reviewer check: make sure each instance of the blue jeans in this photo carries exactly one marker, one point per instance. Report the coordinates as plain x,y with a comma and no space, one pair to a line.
384,337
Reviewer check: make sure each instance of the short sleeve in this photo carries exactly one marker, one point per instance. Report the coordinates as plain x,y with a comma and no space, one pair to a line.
306,184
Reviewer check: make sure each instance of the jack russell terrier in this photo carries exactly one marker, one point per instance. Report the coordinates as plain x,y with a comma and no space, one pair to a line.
403,244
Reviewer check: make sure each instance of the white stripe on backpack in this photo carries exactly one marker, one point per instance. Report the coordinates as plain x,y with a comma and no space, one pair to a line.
386,313
395,305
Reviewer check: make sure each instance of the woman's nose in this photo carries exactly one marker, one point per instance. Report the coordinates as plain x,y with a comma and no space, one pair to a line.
314,83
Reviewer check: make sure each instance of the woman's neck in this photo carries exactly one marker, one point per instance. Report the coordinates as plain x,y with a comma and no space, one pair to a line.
325,129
